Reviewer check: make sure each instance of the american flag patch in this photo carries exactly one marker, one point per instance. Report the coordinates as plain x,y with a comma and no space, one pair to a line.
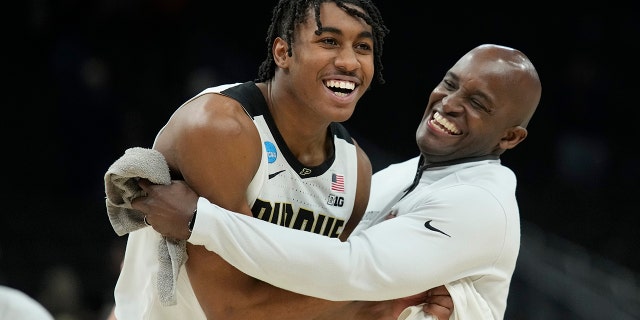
337,182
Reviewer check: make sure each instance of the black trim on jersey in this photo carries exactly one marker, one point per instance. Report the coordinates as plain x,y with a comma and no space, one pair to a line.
249,96
253,102
340,132
422,166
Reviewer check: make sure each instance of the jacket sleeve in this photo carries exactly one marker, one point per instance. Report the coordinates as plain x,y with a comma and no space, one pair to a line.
396,258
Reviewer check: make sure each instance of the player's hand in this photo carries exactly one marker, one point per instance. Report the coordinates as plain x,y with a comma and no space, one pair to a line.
167,208
438,303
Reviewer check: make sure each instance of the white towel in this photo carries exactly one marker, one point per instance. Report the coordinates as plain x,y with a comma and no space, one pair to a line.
121,187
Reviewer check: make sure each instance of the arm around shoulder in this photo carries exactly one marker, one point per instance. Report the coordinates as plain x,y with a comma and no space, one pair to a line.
362,192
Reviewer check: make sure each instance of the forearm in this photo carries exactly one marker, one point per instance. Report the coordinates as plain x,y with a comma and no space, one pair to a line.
361,310
226,293
314,265
268,301
290,306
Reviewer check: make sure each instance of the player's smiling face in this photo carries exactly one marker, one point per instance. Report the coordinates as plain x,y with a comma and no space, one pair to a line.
334,67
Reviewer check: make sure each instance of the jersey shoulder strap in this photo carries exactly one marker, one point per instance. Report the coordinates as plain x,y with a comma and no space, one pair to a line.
249,96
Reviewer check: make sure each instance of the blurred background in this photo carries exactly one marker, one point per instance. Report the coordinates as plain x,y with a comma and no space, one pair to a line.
89,79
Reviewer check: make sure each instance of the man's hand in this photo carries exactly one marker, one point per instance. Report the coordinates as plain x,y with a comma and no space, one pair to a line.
438,303
167,208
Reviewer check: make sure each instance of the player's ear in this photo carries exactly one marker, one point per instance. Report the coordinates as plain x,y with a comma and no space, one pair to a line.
280,54
512,137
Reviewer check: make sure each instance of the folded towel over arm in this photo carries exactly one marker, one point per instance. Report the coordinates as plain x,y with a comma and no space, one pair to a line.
121,187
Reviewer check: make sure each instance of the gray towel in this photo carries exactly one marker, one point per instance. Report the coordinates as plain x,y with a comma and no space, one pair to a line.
121,187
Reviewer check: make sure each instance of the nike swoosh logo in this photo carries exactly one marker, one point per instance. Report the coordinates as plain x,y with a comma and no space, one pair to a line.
432,228
275,174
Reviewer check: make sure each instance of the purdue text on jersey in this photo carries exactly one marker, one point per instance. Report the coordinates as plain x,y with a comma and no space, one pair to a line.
283,214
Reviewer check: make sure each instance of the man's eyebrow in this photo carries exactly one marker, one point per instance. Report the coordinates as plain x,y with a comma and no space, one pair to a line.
363,34
452,75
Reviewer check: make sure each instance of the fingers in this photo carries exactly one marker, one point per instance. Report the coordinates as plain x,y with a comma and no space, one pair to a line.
144,184
443,301
438,311
139,203
438,303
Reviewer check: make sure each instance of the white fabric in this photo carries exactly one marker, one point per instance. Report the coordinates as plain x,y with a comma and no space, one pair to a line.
473,204
415,313
15,304
136,292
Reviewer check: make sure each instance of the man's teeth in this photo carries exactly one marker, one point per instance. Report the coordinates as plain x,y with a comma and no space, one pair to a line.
439,120
340,88
341,84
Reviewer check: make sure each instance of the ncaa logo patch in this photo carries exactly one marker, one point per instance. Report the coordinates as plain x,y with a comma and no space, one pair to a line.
272,153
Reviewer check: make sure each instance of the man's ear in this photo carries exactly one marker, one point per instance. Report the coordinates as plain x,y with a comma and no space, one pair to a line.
280,54
512,137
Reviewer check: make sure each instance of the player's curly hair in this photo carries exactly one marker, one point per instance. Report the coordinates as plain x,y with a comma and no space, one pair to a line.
289,13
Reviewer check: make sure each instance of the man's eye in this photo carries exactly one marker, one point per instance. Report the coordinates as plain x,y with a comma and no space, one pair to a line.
364,47
447,84
329,41
476,104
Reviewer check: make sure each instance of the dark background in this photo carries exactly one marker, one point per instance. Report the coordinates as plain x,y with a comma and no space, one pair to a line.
87,79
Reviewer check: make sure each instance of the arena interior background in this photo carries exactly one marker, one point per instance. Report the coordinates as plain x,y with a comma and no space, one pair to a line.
87,79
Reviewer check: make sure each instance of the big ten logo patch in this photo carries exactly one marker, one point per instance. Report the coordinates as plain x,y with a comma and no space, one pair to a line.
335,201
